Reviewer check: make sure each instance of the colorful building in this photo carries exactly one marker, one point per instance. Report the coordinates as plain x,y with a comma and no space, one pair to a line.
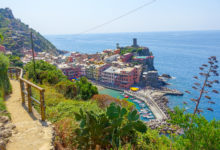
125,79
2,49
108,76
121,77
126,57
70,71
137,73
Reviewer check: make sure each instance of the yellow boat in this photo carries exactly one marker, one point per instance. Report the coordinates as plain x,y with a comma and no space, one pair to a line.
134,89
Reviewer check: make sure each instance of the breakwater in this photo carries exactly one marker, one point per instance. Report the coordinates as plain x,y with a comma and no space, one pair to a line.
158,113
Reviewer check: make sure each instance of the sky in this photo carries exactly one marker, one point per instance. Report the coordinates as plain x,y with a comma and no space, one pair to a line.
76,16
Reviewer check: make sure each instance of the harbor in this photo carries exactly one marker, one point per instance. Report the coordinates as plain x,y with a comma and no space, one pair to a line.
150,103
145,112
158,113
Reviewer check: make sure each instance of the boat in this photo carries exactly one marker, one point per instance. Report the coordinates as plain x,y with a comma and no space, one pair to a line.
137,101
148,116
144,111
121,92
142,105
126,96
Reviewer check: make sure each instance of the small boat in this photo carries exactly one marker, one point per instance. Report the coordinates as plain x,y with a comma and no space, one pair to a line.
148,116
142,105
145,112
121,92
126,96
137,101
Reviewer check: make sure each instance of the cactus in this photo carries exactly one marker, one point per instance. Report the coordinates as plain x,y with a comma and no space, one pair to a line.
111,129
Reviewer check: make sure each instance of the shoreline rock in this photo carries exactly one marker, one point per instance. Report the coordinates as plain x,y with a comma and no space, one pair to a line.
166,76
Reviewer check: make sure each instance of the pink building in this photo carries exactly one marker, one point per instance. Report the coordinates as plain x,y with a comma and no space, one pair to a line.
71,72
123,78
137,73
126,78
126,57
2,49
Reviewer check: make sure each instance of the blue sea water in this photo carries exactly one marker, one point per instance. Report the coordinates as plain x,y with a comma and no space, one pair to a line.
178,53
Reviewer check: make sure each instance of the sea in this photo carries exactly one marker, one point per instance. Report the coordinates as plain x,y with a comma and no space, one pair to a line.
177,53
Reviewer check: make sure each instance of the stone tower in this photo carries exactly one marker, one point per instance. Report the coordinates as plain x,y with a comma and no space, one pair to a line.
135,43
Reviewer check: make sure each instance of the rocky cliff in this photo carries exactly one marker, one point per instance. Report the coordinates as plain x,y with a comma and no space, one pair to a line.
17,35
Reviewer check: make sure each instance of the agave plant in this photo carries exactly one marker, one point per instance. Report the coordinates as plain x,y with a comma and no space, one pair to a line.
208,72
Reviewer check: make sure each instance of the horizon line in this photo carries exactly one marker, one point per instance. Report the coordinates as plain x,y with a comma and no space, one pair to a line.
134,32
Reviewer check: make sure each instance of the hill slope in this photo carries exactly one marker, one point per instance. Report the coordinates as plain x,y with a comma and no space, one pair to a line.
17,35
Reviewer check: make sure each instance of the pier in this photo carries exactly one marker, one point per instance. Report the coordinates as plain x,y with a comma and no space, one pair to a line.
158,113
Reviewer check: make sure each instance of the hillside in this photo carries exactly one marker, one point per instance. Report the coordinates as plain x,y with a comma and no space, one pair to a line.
17,35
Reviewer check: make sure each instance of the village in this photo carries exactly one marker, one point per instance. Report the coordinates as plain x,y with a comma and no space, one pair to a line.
120,68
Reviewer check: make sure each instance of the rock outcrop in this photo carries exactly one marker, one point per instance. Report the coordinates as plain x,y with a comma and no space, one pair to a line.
166,76
6,129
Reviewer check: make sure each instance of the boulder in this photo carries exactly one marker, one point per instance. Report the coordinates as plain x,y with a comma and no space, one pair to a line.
4,119
10,126
2,145
5,133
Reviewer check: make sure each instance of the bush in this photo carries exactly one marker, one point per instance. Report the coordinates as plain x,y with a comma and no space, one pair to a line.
45,72
85,89
111,129
105,100
199,133
15,61
67,88
5,86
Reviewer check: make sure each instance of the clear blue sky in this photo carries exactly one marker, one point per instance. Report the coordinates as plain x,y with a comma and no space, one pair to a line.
74,16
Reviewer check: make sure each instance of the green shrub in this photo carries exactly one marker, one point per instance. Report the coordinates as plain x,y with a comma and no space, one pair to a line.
4,80
111,129
45,72
15,61
199,133
85,89
67,88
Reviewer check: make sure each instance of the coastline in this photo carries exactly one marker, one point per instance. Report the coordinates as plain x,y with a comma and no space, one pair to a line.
155,99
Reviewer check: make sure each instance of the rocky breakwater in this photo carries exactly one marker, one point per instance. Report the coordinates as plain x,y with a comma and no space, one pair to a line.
164,127
6,129
159,96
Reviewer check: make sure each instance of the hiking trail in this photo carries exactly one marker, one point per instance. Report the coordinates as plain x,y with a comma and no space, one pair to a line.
30,132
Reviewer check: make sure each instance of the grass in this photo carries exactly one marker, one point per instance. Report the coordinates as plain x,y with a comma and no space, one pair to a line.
58,107
3,109
60,111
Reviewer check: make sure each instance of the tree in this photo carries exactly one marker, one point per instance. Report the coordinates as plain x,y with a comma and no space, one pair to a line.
45,72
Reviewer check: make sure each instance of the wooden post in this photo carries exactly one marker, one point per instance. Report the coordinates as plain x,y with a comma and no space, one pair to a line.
17,72
22,88
29,97
42,105
10,73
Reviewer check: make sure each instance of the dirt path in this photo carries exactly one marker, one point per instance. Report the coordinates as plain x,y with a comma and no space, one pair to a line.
30,133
